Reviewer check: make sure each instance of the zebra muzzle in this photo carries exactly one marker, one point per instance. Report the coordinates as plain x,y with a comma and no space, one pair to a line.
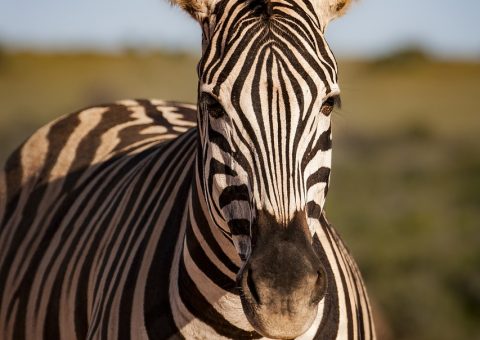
282,283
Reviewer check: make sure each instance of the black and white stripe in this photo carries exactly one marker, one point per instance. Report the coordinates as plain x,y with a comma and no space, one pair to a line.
138,219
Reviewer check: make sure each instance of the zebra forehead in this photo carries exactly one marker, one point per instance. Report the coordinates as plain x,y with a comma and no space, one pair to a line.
274,69
269,9
326,9
240,40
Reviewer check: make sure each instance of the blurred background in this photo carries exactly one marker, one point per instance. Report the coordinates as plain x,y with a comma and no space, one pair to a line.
405,190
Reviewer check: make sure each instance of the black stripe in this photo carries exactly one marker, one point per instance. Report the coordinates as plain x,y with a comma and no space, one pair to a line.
218,139
13,185
313,210
323,143
233,193
159,321
328,328
320,176
57,137
183,155
204,228
197,304
239,227
204,263
348,303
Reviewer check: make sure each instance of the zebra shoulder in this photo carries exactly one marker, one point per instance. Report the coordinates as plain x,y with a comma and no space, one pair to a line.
92,135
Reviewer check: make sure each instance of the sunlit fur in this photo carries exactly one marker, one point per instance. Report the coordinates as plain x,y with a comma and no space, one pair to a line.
265,73
152,219
271,77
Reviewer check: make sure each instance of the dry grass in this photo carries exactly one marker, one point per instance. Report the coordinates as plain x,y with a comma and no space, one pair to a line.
37,88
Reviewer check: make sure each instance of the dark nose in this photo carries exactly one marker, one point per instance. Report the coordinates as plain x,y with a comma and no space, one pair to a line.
260,290
286,279
283,280
282,286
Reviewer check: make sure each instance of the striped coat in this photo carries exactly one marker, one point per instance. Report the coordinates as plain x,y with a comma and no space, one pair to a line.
92,237
156,220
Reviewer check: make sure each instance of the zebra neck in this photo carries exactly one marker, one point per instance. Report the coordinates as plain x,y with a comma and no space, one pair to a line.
214,241
205,297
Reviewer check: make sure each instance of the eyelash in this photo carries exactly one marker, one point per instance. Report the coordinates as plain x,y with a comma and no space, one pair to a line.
329,104
213,107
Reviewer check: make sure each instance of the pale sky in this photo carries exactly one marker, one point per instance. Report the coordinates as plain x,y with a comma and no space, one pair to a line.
448,28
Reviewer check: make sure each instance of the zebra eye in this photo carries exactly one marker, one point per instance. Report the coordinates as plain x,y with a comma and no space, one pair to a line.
328,106
213,107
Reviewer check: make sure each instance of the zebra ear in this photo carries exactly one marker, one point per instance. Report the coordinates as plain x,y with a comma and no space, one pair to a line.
198,9
333,8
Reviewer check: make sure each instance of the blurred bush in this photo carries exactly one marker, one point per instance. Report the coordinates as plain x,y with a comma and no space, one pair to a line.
406,57
405,190
37,87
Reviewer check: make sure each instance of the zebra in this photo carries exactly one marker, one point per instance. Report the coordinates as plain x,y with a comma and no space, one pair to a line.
164,220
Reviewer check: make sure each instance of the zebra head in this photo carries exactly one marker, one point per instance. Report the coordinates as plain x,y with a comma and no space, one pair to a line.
267,86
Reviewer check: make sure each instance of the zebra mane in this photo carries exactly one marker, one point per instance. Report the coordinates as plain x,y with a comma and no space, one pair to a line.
261,7
336,8
199,9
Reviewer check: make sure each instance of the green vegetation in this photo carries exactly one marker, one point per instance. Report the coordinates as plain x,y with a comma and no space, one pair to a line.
35,88
405,189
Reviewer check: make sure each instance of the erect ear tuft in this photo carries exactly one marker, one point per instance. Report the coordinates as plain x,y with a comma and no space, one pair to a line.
332,9
341,6
198,9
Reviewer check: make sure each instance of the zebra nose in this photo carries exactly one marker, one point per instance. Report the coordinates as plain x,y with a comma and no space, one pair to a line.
264,284
252,286
280,301
320,285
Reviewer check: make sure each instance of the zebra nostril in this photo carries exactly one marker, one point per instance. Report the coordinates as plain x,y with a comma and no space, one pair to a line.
319,287
251,286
